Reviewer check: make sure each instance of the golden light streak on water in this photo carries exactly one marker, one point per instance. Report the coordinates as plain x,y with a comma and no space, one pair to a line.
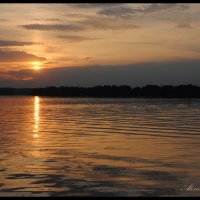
36,116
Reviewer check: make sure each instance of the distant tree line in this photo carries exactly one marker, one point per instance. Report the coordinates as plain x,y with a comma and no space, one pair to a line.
15,91
113,91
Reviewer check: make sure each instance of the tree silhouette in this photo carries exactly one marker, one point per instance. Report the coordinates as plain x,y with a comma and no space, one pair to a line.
110,91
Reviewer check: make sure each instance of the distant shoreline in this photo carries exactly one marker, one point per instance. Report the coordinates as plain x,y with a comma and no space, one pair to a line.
109,91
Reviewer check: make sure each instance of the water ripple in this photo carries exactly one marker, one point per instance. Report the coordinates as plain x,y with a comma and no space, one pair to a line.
98,147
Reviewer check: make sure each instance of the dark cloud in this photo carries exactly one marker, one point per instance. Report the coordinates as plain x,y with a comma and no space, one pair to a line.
173,72
119,11
18,56
106,23
110,10
73,38
123,10
95,5
4,43
184,25
156,7
53,27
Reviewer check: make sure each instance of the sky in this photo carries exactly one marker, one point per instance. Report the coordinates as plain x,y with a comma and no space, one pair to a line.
96,44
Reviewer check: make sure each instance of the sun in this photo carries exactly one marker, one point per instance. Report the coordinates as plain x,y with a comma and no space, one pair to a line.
36,65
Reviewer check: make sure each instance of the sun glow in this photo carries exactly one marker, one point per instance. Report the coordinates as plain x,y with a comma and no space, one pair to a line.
36,65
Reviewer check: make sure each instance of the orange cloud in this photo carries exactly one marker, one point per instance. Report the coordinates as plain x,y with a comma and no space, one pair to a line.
15,77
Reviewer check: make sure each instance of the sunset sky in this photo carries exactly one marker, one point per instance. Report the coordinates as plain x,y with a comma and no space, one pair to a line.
91,44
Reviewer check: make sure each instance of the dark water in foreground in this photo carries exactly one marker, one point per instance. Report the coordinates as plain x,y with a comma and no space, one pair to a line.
101,147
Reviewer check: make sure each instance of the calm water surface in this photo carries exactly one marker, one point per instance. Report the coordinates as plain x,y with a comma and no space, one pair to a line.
101,147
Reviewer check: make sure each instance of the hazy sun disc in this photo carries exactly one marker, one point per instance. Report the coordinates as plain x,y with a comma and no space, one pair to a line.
36,65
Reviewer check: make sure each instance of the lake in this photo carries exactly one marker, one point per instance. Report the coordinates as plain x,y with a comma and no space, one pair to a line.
99,147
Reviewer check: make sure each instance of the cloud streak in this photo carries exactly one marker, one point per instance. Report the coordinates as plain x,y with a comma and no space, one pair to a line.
95,22
15,77
19,56
5,43
73,38
53,27
3,20
47,19
184,25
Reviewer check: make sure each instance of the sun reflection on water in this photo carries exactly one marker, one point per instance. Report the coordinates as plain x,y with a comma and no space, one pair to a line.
36,116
